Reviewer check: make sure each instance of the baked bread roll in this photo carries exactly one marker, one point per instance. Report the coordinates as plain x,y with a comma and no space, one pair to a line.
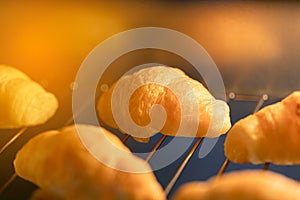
176,93
40,194
62,167
23,102
246,185
270,135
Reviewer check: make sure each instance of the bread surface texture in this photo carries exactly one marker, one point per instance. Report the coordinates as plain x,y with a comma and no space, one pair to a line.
270,135
59,163
186,102
23,102
246,185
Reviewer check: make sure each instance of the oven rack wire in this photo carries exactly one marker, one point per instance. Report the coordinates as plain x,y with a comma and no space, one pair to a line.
260,100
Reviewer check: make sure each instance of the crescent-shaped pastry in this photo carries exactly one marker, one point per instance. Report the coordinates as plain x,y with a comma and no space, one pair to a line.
246,185
62,167
172,89
41,194
270,135
23,102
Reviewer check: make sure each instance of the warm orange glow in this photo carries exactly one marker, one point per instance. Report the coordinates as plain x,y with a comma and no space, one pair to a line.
241,32
52,37
241,41
48,40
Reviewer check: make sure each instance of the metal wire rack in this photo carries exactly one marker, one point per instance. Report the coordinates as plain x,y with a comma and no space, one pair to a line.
170,177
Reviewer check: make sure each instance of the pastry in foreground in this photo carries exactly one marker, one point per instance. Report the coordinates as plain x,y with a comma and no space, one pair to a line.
270,135
63,168
41,194
172,89
246,185
23,102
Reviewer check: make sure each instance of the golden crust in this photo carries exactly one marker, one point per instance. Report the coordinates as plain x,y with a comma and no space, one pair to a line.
211,111
246,185
191,191
23,102
40,194
61,166
270,135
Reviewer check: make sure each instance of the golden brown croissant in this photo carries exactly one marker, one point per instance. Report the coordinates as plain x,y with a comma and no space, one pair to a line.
172,89
23,102
270,135
62,167
41,194
246,185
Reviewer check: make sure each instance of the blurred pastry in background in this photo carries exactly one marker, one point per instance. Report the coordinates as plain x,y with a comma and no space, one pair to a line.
270,135
176,92
59,163
23,102
246,185
40,194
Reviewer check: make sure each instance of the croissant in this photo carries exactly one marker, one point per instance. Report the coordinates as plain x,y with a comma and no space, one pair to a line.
246,185
172,89
23,102
41,194
63,168
270,135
